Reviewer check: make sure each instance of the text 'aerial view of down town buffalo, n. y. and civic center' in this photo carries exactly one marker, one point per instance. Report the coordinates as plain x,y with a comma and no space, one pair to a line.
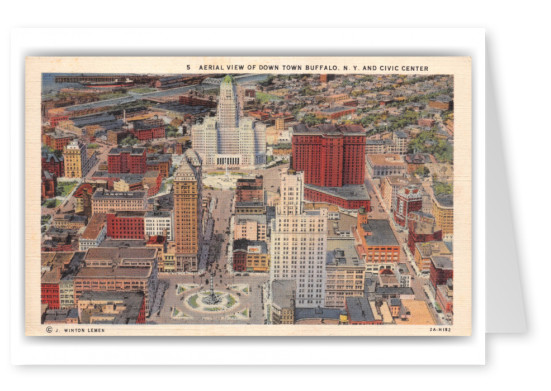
262,199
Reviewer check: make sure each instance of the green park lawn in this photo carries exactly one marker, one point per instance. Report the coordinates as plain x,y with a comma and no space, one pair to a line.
64,188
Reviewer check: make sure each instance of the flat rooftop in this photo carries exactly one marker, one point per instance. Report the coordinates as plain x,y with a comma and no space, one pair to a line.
94,227
131,150
445,200
130,302
117,253
346,192
342,253
442,262
330,128
107,194
419,313
157,213
117,272
129,213
241,219
317,313
283,293
386,159
359,309
381,233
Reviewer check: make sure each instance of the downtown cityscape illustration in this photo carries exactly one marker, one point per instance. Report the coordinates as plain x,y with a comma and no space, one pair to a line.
265,199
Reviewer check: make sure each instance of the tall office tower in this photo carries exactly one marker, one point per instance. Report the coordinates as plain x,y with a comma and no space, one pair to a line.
329,155
292,192
333,160
229,139
187,212
228,117
76,160
299,243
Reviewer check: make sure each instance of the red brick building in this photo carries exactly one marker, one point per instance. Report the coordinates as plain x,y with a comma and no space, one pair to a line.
55,267
375,242
240,260
334,113
444,297
330,156
159,162
408,199
333,161
152,182
54,121
48,185
149,129
57,140
422,228
259,115
250,189
194,101
127,160
50,295
126,225
347,196
53,164
441,269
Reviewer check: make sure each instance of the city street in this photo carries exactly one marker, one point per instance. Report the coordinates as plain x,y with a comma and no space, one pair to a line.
222,278
378,211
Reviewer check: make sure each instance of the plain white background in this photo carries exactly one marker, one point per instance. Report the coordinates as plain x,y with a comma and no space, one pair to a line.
518,56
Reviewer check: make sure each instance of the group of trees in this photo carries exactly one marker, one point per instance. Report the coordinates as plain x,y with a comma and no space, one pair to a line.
297,108
427,142
269,81
171,130
392,123
440,188
129,140
422,171
312,120
307,91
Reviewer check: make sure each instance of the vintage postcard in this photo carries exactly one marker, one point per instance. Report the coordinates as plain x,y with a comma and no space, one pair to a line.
250,196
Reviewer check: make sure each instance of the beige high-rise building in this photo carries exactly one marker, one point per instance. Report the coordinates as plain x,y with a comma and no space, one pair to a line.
299,243
76,160
442,210
228,117
280,123
345,273
188,212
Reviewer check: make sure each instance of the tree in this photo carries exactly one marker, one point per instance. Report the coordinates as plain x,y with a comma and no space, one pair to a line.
442,188
307,91
312,120
129,141
422,171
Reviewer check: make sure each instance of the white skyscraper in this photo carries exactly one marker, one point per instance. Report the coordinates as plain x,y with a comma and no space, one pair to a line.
228,109
229,139
299,243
